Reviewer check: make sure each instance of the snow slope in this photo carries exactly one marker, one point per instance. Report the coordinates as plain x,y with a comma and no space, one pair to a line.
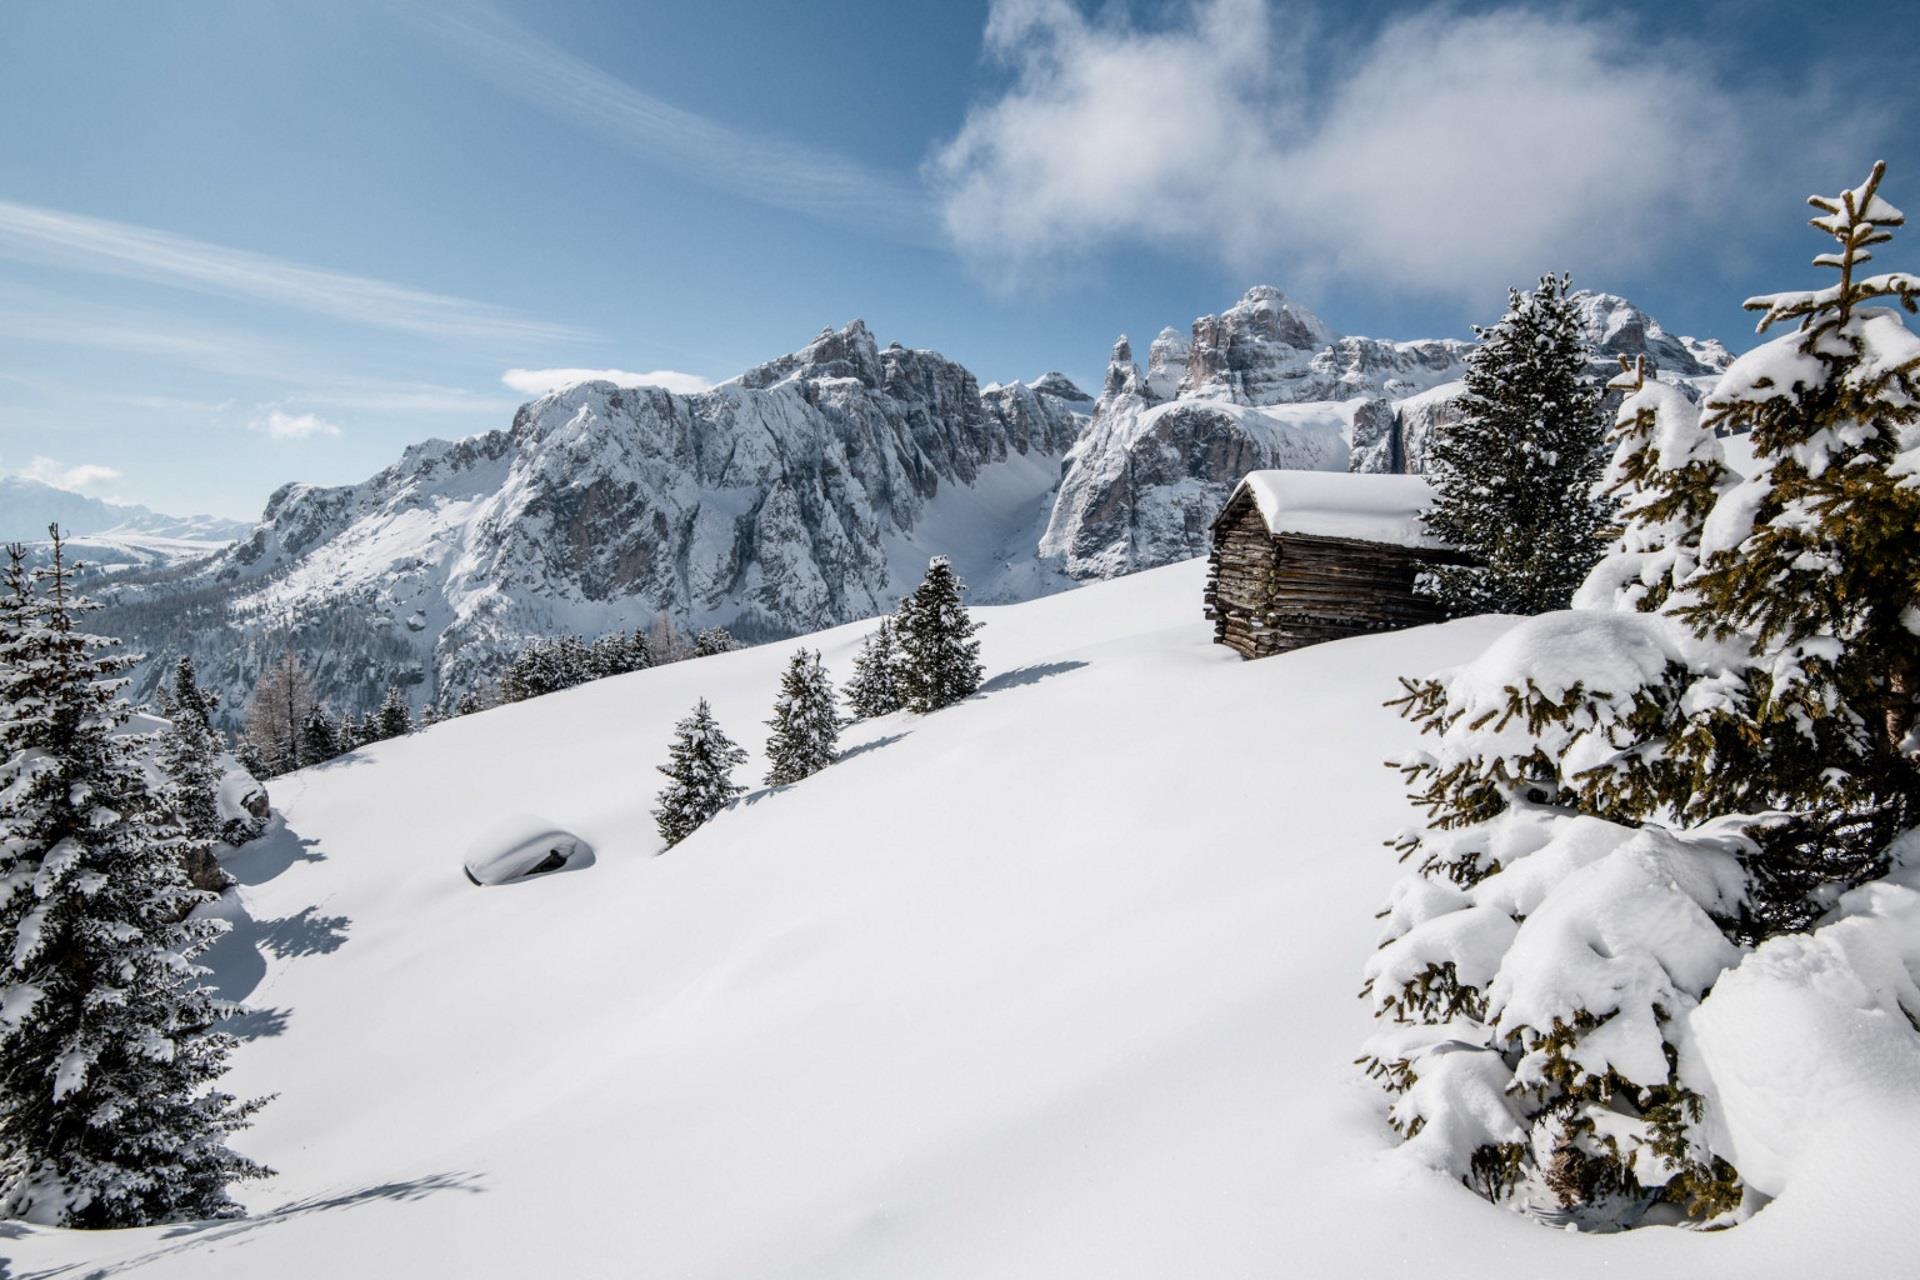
1055,983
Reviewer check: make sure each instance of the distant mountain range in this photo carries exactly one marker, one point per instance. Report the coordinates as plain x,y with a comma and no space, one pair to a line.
27,507
807,491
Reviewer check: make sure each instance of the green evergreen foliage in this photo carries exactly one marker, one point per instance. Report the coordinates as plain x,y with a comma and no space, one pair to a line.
1666,474
1816,565
393,719
875,687
714,640
618,653
806,727
939,658
322,736
188,756
1514,480
1727,738
699,773
549,664
109,1114
186,697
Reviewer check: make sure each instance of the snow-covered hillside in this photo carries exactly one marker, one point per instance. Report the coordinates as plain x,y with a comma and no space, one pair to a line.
1058,982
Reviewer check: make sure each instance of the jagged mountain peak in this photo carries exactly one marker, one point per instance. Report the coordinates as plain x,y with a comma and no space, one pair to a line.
1616,327
1057,384
806,492
1265,310
846,352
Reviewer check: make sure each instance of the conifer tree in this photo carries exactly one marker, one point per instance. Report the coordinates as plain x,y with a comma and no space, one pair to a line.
187,697
939,658
108,1053
699,774
472,700
1722,750
188,754
806,728
714,640
1816,563
875,687
322,736
1666,474
393,719
1514,479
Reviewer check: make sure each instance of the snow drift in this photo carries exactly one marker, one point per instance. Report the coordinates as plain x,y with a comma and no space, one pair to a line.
1057,982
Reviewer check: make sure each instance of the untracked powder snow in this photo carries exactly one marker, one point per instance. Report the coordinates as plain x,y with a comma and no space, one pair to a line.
1057,982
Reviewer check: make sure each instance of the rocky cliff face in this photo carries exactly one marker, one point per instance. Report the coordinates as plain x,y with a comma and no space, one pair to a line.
1266,383
797,496
806,492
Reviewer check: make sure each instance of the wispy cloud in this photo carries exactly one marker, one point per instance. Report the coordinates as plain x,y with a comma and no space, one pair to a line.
282,425
537,382
370,395
1441,151
77,478
775,171
53,237
167,404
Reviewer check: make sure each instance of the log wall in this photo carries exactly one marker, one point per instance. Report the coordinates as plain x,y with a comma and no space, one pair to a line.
1267,593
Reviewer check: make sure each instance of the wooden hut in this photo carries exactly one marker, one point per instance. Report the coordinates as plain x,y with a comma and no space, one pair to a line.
1305,556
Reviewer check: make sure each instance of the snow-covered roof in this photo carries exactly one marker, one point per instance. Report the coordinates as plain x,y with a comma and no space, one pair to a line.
1343,504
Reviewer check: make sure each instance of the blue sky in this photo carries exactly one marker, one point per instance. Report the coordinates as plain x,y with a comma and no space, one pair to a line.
243,243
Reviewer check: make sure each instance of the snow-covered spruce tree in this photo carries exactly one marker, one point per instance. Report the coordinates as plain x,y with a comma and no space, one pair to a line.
806,727
1815,562
393,719
1537,968
699,771
475,699
1514,479
188,755
939,658
1666,473
186,696
1589,869
618,653
108,1053
321,735
875,687
714,640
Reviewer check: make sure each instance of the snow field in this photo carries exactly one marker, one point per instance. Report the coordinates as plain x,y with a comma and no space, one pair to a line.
1057,982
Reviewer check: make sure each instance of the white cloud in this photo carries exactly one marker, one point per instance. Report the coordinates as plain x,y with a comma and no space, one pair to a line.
537,382
50,236
775,171
293,426
1442,152
77,478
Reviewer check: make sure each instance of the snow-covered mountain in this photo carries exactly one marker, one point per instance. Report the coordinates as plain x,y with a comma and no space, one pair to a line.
1055,984
808,491
108,535
1267,383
